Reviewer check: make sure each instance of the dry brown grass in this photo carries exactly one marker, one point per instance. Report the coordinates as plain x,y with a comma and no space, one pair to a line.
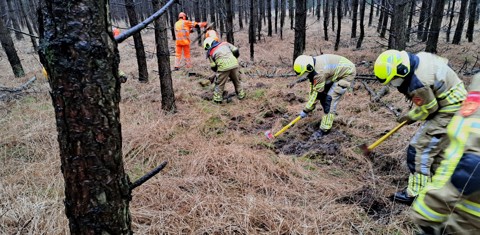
223,176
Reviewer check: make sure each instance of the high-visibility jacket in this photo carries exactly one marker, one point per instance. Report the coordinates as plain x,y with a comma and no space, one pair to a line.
329,68
432,86
182,31
222,56
455,186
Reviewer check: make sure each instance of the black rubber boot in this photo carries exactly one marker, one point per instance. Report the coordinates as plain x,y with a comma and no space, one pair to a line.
402,197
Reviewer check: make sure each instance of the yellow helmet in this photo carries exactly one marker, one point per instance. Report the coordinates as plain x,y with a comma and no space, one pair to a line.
391,63
303,64
207,43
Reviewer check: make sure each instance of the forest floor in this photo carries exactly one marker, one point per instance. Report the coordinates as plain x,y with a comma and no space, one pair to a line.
223,176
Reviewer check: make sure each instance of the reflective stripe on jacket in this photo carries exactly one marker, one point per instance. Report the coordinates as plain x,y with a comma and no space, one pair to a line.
434,87
222,57
329,68
182,31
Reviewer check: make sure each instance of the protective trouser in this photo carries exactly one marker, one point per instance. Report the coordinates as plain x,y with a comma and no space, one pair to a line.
425,151
452,199
329,99
222,79
186,54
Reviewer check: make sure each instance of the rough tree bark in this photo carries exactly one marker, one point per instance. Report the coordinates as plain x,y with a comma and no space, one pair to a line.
269,18
457,36
354,18
283,15
137,40
398,29
452,13
339,27
326,15
300,27
229,21
251,27
9,48
163,58
471,19
437,14
362,24
81,58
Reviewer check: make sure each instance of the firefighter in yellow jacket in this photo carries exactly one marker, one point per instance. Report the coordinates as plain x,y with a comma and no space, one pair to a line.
223,60
330,76
437,92
182,33
450,204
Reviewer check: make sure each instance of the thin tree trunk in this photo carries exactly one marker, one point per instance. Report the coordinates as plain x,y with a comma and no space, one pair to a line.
428,20
460,23
437,14
163,58
269,18
423,16
9,48
326,15
291,12
241,6
334,9
229,21
300,27
354,18
362,25
14,20
137,40
85,91
370,17
276,15
283,15
449,28
471,19
29,25
252,27
410,19
339,27
386,15
398,29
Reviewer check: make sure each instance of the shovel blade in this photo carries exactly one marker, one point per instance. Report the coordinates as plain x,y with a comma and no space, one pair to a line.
269,135
366,151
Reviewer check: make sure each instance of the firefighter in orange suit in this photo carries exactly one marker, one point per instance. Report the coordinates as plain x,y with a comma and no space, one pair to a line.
182,33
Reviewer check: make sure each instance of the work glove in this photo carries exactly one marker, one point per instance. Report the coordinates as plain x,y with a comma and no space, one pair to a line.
236,53
214,69
303,114
405,118
203,24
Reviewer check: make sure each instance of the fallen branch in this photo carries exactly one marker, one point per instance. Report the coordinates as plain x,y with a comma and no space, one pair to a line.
375,97
147,176
20,88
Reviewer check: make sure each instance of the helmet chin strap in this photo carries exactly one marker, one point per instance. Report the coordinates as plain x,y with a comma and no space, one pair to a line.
396,82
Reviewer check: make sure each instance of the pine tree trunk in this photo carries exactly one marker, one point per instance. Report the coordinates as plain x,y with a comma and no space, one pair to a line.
241,6
291,12
437,14
163,58
471,19
354,18
13,15
9,48
362,24
252,27
428,21
229,21
410,19
398,29
283,15
259,22
386,15
269,18
137,40
300,27
334,9
326,15
449,28
460,23
339,27
29,25
370,17
276,15
83,74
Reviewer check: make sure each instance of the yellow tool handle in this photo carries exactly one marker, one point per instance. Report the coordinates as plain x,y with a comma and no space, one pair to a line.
287,126
383,138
